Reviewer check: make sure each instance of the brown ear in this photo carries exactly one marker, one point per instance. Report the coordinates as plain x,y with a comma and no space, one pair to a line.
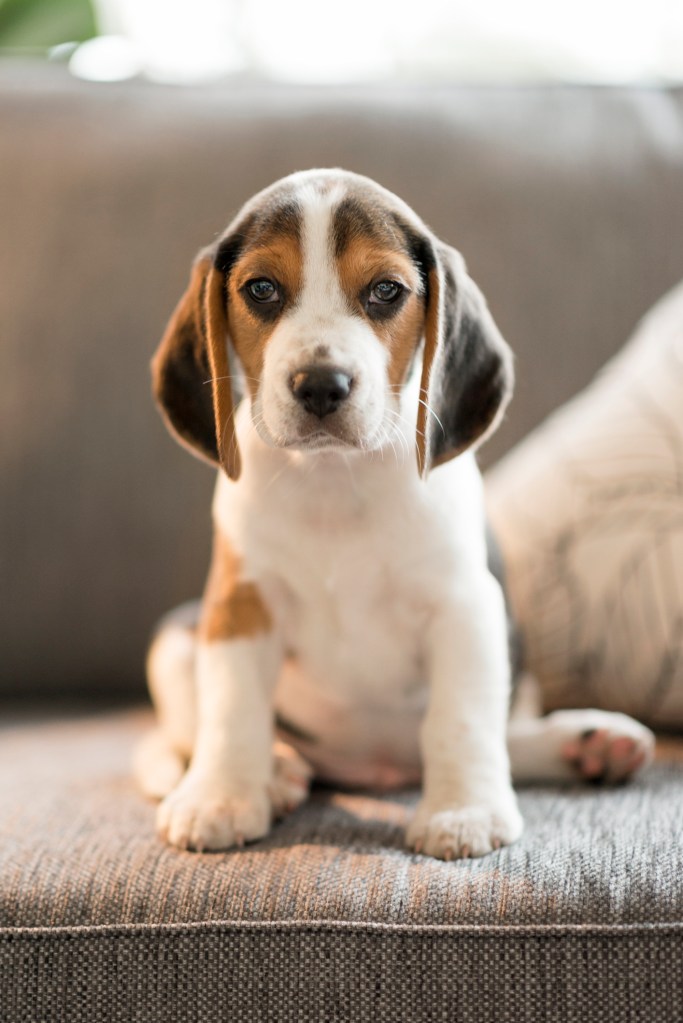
191,373
467,374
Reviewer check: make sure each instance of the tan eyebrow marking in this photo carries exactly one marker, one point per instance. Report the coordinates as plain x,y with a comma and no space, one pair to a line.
232,607
279,257
363,261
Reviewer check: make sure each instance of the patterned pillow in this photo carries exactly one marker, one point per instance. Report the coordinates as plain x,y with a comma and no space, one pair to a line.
589,513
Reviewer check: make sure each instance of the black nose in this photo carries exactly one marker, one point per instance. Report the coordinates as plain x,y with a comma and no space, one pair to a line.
320,390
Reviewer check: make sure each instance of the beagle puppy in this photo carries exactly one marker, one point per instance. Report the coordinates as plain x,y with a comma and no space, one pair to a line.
332,357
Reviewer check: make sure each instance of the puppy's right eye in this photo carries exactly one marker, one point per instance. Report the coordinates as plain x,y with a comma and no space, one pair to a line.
262,290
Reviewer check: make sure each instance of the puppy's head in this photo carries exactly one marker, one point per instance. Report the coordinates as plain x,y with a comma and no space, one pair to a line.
319,300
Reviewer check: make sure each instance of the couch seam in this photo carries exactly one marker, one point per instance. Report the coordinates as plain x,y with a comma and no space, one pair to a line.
288,926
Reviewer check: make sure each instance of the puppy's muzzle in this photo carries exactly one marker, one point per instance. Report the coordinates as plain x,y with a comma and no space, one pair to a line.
321,389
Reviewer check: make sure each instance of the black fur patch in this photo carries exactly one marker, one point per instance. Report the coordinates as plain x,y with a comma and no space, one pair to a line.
230,249
277,217
417,247
472,388
354,218
185,393
282,217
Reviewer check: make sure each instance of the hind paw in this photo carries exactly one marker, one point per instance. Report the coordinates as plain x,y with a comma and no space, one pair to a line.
607,747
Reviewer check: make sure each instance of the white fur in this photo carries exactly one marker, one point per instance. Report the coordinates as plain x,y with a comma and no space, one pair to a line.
389,639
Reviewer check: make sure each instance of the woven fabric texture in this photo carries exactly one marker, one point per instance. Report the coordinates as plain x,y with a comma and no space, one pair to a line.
330,919
337,974
78,848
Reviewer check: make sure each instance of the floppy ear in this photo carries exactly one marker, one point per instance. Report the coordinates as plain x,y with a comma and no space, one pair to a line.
191,373
467,373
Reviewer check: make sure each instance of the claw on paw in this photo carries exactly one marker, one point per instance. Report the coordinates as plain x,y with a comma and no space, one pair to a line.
204,818
463,832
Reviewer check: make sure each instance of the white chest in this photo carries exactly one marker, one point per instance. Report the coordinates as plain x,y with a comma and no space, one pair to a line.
351,560
355,615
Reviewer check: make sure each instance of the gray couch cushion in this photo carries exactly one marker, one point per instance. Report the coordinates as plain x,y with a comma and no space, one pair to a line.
78,848
330,909
566,203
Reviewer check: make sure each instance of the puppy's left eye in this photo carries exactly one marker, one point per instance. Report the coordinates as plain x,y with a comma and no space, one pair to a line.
263,290
385,292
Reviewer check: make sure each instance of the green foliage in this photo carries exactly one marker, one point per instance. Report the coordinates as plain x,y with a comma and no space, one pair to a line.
39,24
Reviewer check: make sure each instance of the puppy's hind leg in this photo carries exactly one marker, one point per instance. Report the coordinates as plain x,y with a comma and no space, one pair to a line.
157,766
162,756
574,745
292,776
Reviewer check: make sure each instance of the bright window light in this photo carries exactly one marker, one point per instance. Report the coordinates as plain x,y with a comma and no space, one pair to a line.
364,40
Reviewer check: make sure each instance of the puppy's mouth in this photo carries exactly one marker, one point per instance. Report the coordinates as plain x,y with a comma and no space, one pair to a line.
315,437
318,440
302,431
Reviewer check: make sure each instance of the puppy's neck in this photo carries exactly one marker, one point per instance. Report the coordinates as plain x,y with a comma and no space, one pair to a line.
334,487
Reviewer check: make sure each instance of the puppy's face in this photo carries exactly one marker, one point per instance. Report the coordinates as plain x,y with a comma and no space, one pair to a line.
317,300
325,313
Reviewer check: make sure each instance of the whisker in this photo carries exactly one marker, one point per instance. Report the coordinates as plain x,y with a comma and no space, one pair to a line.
403,443
412,430
230,376
430,409
399,434
384,438
388,438
393,448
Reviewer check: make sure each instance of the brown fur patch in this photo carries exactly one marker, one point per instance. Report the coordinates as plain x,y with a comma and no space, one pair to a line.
363,263
232,607
280,261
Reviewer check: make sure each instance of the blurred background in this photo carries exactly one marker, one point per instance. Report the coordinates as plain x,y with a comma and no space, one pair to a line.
308,41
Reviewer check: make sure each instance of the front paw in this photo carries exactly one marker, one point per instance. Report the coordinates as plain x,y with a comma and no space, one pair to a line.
458,832
203,815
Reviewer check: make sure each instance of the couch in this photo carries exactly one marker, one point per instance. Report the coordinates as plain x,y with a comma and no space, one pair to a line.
567,203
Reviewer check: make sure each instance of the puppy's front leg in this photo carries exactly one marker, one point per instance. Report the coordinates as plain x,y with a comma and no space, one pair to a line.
468,806
223,799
